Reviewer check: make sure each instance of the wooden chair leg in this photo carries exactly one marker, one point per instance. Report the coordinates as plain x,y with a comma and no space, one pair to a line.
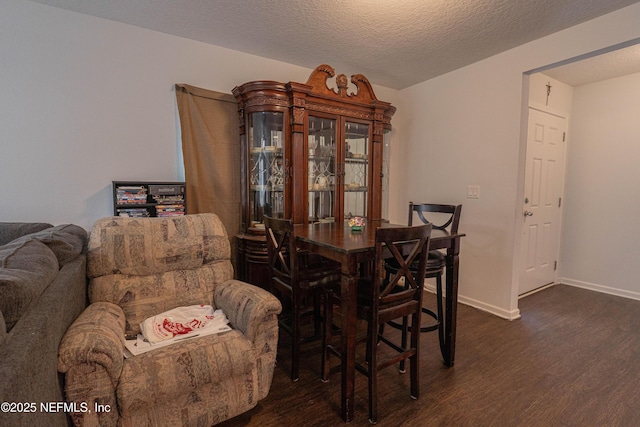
326,338
317,314
403,342
295,338
372,358
414,360
440,312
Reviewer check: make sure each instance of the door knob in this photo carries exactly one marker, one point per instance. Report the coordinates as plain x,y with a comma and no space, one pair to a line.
528,213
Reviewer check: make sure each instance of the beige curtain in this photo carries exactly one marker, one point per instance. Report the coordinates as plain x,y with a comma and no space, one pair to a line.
211,150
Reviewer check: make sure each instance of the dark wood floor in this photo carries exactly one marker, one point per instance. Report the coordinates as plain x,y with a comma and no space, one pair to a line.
573,359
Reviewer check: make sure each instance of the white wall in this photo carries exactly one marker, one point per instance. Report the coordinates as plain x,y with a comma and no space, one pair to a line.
560,99
601,236
464,128
85,101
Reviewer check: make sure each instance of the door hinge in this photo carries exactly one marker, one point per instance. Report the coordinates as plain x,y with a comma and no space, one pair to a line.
559,201
555,265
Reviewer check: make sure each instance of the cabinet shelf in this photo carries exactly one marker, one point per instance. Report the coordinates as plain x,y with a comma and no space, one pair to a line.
260,188
277,154
356,160
333,188
322,189
134,205
320,158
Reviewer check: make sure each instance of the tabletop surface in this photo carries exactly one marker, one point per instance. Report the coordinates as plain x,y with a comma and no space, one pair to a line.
339,237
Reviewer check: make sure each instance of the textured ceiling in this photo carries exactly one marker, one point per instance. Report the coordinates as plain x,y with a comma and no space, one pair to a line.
600,67
395,43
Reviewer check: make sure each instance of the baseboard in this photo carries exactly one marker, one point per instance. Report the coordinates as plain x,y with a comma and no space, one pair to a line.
599,288
491,309
515,314
535,291
497,311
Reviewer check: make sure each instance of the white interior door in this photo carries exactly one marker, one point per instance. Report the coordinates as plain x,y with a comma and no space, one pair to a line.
541,214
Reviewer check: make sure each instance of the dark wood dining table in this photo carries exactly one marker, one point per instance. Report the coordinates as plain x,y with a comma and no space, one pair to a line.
336,241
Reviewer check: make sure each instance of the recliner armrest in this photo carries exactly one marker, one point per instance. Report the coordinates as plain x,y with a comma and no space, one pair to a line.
246,306
254,312
95,337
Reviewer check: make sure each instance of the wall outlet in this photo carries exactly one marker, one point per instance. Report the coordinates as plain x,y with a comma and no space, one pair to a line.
473,192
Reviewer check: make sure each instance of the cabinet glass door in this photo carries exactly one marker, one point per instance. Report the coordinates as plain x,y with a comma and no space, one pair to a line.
386,153
356,169
322,169
266,175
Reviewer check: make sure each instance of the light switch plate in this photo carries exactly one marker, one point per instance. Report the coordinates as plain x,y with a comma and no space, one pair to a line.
473,192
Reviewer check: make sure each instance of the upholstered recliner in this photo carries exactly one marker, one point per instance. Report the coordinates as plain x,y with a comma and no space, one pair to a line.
142,267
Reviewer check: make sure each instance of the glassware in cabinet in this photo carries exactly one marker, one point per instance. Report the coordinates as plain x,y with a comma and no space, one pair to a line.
356,169
386,154
266,164
321,169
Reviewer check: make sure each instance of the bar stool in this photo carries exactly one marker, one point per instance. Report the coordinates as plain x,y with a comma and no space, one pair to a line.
380,301
300,280
448,218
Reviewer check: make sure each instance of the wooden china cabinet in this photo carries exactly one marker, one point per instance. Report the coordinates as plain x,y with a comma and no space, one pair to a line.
312,152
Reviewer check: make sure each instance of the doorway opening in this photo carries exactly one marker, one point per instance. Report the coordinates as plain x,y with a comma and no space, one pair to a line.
615,61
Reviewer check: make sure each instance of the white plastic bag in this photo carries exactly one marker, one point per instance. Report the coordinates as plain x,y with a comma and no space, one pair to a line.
184,321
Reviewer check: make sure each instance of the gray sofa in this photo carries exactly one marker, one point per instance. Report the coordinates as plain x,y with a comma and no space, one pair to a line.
42,290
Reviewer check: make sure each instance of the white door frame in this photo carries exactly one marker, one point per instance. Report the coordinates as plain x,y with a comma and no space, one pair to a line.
519,224
546,257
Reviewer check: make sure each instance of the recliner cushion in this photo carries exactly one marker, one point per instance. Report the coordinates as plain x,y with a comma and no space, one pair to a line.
141,297
130,246
26,269
182,368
